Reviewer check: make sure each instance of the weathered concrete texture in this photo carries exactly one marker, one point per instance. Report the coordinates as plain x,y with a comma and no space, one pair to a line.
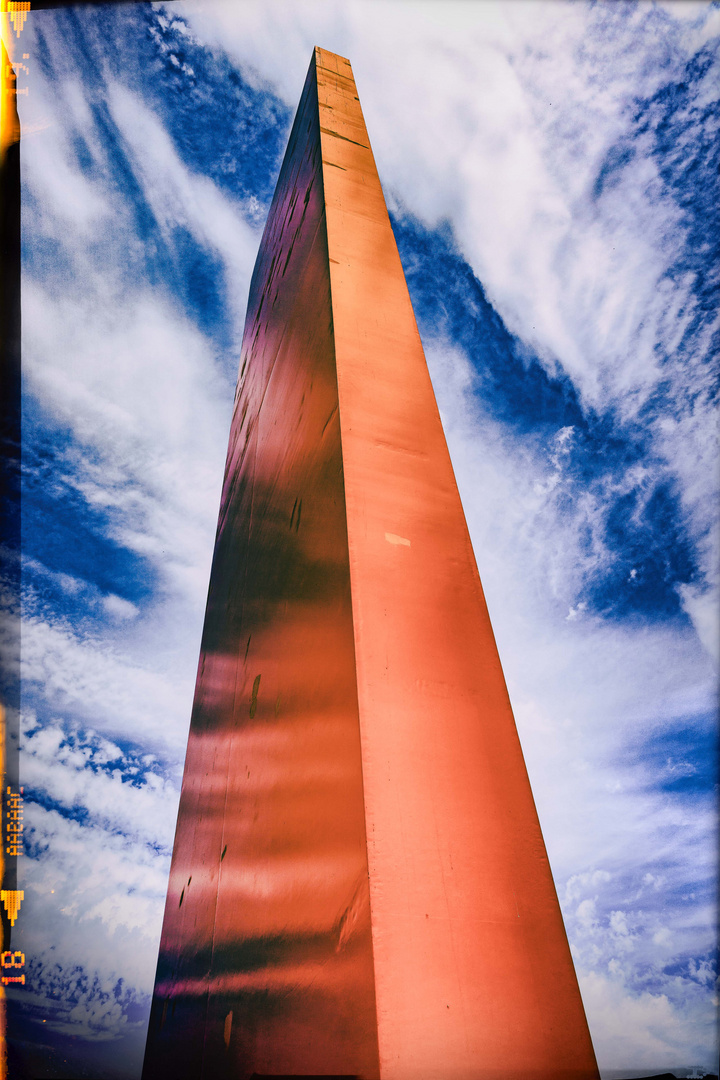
359,883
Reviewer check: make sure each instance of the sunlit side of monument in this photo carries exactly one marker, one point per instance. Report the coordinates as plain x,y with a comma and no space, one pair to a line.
359,883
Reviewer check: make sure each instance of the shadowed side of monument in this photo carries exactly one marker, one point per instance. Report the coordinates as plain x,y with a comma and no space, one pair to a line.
359,883
265,961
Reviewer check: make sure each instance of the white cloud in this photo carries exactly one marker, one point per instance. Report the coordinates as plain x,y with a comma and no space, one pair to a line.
646,1029
578,883
90,679
701,605
117,608
140,811
138,387
69,201
179,197
111,926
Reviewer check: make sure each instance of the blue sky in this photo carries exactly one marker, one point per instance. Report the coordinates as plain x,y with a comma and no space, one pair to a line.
549,173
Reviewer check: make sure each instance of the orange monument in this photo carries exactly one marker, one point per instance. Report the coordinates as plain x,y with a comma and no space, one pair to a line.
359,884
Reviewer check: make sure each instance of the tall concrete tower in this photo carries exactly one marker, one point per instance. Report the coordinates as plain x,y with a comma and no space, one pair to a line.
359,883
